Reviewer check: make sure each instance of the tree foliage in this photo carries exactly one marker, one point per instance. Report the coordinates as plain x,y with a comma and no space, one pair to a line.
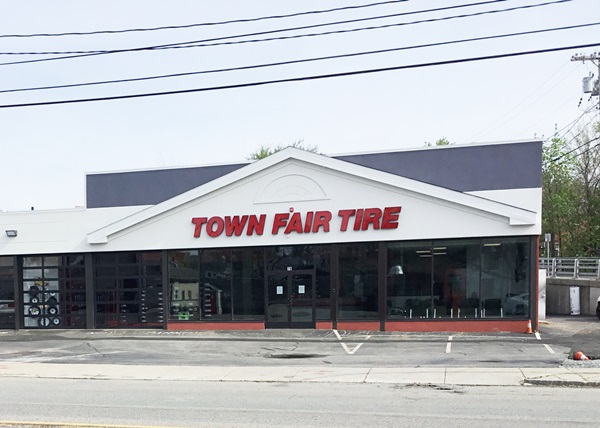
264,151
571,194
439,142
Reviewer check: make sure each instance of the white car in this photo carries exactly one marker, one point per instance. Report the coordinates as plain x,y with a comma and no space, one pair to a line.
516,304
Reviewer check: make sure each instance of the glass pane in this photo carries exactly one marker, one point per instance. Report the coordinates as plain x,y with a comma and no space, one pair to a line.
248,284
216,284
358,282
127,258
409,282
6,261
295,257
456,278
32,273
323,282
277,304
301,298
52,261
129,270
50,273
505,281
184,287
105,258
75,260
32,261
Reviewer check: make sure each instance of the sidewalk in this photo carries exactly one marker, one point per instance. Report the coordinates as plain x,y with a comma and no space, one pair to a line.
574,376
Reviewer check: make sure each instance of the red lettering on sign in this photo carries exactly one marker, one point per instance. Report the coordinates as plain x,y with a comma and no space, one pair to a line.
198,222
312,222
256,225
210,226
235,225
371,216
308,222
358,219
390,217
322,219
345,215
295,224
279,221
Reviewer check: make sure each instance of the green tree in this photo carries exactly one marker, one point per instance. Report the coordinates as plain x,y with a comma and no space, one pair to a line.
559,194
571,193
264,151
587,174
439,142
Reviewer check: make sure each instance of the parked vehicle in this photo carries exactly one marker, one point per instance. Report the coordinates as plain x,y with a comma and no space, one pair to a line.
598,309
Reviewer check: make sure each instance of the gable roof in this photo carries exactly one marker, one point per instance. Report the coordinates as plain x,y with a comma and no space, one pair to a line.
514,215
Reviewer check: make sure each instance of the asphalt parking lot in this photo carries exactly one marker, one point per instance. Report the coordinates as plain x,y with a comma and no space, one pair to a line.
557,339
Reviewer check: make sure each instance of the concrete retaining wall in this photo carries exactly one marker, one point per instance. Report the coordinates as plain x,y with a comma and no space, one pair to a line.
558,297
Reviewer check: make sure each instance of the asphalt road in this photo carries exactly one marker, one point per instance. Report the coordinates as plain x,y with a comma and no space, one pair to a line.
210,404
559,337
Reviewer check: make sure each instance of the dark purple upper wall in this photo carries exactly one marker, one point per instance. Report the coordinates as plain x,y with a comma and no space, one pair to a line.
121,189
466,169
461,168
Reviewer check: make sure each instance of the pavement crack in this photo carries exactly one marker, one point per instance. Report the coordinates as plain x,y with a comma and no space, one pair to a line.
96,350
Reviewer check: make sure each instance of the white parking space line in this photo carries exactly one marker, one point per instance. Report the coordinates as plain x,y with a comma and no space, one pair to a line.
549,349
349,351
449,345
346,348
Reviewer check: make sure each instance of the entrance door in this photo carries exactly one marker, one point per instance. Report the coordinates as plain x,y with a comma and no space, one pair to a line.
290,300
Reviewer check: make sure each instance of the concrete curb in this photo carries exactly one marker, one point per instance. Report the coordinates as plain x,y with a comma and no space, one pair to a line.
407,376
563,383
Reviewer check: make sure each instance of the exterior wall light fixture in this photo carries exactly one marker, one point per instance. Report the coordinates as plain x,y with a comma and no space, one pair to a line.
11,233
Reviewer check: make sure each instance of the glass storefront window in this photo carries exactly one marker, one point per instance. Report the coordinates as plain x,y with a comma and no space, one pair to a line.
215,284
409,280
456,279
289,258
248,284
128,289
358,282
505,277
323,283
463,278
184,274
7,293
53,291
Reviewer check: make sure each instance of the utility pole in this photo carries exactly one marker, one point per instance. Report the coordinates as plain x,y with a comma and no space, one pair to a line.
590,86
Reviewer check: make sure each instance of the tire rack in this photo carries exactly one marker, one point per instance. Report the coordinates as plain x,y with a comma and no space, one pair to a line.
41,306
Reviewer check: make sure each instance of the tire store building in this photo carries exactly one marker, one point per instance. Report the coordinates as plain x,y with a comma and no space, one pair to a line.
433,239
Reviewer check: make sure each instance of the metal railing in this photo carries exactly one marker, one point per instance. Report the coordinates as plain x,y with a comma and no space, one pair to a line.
566,267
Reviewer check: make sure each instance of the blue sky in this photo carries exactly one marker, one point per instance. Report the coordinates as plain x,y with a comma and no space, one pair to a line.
48,149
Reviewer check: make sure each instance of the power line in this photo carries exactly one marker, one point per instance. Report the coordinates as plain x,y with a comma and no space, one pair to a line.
585,151
348,55
202,43
260,33
205,24
301,79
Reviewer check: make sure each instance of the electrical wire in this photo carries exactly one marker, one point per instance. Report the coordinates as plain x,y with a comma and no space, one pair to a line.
562,155
206,24
203,43
580,146
303,78
298,61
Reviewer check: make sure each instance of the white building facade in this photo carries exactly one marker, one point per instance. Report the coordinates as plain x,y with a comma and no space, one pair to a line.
436,239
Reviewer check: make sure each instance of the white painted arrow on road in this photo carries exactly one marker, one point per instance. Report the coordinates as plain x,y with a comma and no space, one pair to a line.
346,348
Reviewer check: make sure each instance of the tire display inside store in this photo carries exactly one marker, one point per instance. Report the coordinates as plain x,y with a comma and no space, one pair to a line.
53,292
